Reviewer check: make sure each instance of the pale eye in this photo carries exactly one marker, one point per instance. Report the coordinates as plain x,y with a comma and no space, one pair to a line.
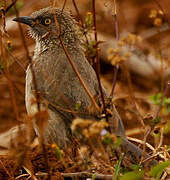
47,21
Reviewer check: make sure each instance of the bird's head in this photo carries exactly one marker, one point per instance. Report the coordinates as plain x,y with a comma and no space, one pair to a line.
48,23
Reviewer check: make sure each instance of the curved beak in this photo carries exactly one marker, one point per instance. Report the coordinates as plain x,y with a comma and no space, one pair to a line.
25,20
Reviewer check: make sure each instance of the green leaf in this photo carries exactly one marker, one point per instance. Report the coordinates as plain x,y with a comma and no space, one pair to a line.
117,167
19,5
167,128
157,170
134,175
108,139
167,101
156,99
118,142
89,20
77,106
94,176
57,151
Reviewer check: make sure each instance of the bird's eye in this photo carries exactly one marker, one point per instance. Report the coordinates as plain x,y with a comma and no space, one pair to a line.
47,21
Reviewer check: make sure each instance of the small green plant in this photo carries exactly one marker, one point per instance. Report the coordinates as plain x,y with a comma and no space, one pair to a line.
156,99
133,175
57,150
157,170
165,110
118,167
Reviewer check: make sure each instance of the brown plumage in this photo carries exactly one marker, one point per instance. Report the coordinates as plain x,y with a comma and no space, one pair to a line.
57,82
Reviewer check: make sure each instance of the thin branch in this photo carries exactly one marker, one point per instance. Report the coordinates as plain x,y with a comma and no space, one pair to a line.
17,61
78,75
162,98
6,170
77,11
81,20
72,63
132,96
80,175
147,132
14,84
116,21
114,80
97,63
117,38
141,142
9,7
30,173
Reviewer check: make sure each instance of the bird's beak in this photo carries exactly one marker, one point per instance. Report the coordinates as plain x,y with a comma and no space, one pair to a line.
25,20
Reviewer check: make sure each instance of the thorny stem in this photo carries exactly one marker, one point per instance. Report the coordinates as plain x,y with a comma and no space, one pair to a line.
97,63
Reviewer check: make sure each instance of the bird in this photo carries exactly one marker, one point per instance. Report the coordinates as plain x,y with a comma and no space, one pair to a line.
57,36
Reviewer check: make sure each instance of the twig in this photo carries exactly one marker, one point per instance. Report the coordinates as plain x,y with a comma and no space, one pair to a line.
162,98
141,142
132,96
78,75
6,170
114,80
81,20
150,157
9,7
97,63
12,83
161,138
72,63
80,175
23,175
149,146
17,61
30,173
117,38
147,132
116,21
86,175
